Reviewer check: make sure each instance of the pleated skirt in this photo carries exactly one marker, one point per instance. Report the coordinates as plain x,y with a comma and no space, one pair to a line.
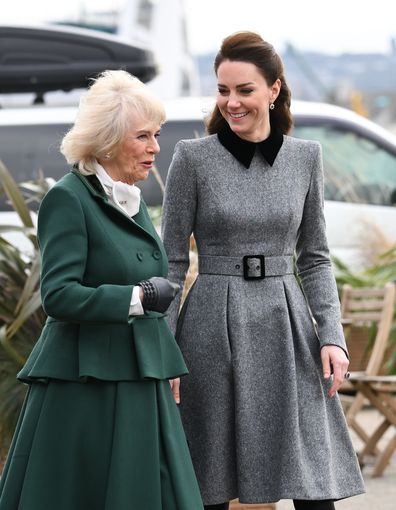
99,446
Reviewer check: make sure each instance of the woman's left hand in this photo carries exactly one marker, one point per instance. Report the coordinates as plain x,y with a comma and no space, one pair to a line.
334,360
175,387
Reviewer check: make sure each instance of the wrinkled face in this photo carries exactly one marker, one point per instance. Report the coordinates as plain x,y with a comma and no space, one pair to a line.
244,97
136,154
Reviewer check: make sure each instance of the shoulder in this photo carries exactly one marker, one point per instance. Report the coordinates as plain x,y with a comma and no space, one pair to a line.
68,183
308,146
191,156
69,192
196,146
304,153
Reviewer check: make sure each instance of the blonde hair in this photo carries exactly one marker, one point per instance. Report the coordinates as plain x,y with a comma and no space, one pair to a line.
106,113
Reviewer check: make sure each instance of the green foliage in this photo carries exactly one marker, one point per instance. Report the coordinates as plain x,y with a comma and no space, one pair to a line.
383,271
21,314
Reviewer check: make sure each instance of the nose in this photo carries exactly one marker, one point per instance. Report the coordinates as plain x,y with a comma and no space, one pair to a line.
154,147
233,101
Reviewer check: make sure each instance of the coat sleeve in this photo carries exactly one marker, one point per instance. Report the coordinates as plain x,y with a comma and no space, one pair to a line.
63,240
313,259
180,204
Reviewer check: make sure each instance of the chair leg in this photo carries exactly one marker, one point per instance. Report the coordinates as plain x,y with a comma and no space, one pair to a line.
371,443
364,437
351,414
386,405
384,458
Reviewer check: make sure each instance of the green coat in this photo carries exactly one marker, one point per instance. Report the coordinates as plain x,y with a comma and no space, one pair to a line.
100,428
93,254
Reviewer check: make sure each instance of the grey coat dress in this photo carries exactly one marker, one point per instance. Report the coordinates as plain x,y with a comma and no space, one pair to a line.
255,408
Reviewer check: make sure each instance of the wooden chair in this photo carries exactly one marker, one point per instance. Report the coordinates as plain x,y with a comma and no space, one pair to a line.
361,309
380,390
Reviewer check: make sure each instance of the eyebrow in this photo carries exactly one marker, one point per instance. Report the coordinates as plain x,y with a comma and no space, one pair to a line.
147,131
238,86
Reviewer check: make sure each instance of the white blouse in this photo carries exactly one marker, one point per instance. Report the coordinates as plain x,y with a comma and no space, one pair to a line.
126,197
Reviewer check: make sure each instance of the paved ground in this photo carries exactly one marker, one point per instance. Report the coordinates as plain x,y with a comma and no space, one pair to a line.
381,491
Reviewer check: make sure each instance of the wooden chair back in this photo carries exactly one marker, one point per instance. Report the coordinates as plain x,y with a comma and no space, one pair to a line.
361,308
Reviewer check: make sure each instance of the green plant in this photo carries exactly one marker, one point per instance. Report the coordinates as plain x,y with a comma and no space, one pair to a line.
21,314
381,272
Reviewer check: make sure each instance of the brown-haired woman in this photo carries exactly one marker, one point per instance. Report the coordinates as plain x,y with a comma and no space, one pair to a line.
260,406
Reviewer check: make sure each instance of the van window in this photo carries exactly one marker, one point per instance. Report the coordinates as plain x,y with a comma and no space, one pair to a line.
25,149
357,169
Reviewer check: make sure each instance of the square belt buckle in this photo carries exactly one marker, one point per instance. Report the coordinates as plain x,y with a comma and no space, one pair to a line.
253,267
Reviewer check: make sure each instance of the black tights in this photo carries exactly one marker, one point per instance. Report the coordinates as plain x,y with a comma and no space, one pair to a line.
299,504
325,504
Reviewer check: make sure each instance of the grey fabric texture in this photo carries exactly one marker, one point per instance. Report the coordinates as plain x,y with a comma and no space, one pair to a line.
255,408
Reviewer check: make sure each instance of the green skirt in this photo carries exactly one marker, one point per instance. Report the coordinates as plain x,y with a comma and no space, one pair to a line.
99,446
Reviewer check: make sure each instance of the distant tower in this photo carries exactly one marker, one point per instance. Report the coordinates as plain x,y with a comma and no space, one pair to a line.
161,26
393,47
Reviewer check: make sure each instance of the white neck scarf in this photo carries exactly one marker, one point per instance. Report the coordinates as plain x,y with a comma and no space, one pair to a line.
125,196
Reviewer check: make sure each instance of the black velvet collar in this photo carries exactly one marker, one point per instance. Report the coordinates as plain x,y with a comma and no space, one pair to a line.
243,150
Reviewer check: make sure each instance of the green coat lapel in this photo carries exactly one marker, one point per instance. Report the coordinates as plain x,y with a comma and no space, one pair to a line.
141,221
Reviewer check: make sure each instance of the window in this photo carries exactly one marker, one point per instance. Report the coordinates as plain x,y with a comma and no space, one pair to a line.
26,149
145,14
357,169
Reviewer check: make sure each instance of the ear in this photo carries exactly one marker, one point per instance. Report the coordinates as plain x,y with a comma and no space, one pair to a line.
275,89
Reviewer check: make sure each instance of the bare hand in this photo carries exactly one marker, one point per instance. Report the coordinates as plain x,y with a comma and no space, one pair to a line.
335,357
175,387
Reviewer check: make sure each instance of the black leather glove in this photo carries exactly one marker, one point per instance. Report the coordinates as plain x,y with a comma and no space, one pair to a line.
158,293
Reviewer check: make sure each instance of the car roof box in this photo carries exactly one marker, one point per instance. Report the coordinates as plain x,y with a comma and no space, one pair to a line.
43,59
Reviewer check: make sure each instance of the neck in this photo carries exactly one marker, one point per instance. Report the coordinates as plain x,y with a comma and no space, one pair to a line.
116,172
257,136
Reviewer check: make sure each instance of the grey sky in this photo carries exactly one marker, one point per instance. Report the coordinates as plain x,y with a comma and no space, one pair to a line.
331,26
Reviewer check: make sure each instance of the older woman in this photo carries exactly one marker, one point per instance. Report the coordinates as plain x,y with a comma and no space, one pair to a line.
100,428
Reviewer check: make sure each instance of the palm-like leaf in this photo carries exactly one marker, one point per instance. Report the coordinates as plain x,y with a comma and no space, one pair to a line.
21,314
16,198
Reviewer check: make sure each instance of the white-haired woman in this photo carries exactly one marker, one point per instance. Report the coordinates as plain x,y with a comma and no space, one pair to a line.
100,428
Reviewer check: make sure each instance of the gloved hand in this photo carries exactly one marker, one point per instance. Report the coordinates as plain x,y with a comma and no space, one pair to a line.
158,293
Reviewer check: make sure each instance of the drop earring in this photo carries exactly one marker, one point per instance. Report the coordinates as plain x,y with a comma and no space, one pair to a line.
271,106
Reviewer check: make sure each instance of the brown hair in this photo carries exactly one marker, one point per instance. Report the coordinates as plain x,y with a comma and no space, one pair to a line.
250,47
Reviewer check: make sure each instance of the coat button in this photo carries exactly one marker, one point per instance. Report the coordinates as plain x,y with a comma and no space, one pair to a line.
156,254
139,255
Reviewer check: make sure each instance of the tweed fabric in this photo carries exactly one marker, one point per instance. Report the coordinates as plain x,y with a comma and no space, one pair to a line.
258,419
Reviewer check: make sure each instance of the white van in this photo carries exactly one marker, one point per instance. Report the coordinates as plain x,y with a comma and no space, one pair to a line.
359,161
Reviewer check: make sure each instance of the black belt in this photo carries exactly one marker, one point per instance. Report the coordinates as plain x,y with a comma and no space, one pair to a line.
251,267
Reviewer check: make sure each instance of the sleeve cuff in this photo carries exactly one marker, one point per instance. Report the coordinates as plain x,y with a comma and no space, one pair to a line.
135,307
